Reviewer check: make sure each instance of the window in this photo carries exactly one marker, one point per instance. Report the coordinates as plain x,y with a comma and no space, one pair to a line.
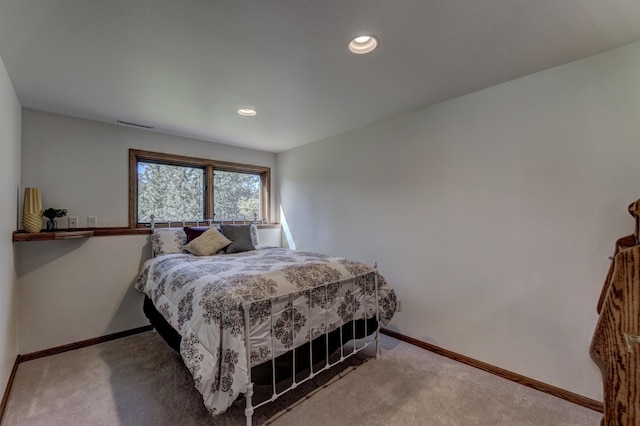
170,192
236,195
178,188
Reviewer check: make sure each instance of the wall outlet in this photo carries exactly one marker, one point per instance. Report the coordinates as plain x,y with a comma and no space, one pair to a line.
398,306
92,221
73,222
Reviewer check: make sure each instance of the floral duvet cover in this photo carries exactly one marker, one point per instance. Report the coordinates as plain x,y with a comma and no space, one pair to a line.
201,297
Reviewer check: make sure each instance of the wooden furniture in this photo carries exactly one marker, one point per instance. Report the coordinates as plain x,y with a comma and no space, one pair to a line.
615,346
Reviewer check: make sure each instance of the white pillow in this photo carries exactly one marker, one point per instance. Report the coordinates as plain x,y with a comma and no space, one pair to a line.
167,241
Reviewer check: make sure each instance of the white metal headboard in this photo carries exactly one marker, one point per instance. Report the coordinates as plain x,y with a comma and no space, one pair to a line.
199,222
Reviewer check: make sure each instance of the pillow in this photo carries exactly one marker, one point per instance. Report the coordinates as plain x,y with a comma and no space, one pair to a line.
194,232
167,241
240,235
255,240
208,243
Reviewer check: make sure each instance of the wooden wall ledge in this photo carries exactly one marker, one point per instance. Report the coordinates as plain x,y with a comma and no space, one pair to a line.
68,234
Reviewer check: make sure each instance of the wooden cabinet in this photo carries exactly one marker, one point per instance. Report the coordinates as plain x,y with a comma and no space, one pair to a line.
615,346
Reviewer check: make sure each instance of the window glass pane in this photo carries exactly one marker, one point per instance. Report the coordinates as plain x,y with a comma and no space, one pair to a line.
170,192
236,196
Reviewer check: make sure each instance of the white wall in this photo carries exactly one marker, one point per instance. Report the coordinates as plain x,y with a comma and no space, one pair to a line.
492,214
80,289
73,290
10,116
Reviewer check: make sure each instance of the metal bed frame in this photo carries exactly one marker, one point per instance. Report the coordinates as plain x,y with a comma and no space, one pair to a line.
246,305
200,222
343,356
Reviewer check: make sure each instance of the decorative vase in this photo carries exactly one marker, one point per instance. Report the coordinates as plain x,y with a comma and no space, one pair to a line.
32,210
52,225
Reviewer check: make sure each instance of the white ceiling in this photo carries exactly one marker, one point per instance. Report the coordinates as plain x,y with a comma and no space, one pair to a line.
186,66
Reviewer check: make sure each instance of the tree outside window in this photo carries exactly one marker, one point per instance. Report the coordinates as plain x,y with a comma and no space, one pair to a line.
170,192
236,196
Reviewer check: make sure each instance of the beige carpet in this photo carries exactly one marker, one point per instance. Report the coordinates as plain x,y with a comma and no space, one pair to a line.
138,380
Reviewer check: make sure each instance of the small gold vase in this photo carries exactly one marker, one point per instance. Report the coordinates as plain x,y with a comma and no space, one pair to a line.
32,210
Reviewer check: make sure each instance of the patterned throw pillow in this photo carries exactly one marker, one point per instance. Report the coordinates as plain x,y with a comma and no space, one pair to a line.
240,235
167,241
208,243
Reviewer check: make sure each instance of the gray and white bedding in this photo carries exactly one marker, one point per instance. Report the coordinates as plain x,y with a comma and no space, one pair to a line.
201,297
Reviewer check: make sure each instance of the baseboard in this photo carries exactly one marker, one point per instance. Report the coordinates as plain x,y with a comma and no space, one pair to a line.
526,381
5,396
82,344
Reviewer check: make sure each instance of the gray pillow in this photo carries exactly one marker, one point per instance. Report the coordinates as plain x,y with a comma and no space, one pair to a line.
240,236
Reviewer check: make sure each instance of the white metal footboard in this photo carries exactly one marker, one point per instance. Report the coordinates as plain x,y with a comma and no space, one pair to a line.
249,410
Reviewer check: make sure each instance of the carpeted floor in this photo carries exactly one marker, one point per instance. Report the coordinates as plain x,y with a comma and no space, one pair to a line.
139,380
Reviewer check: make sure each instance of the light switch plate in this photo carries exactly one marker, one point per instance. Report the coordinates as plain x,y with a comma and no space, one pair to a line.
73,222
92,221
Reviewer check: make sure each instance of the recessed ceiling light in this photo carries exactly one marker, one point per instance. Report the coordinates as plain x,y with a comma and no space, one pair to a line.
363,44
247,112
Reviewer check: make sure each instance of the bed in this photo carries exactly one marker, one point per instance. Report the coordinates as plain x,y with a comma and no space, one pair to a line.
296,307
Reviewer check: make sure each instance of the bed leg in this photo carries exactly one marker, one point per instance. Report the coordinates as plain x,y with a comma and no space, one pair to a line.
376,288
248,412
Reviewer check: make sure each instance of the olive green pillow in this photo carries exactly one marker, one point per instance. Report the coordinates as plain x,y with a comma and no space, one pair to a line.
208,243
